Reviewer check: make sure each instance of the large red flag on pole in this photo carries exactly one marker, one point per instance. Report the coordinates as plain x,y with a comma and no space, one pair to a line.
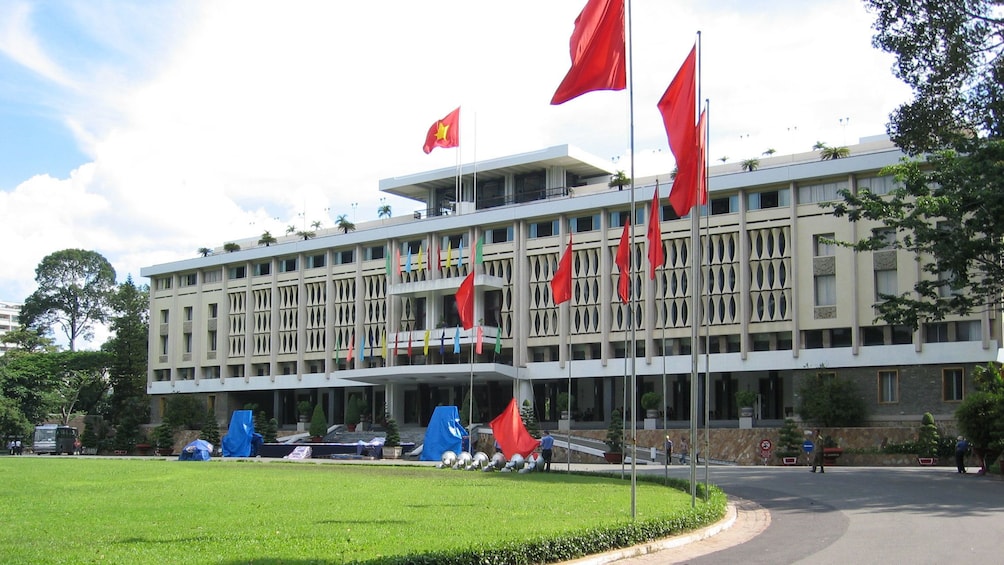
561,283
656,254
444,133
511,434
597,51
465,301
623,261
678,108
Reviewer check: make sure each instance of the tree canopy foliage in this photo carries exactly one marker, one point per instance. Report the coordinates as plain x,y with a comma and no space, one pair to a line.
129,353
949,197
74,286
831,402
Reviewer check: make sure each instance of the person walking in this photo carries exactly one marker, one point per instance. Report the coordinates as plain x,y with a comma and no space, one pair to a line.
669,451
961,450
817,452
547,450
684,450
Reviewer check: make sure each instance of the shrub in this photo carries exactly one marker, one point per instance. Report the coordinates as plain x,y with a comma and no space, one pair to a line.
789,440
529,419
164,436
210,431
927,440
393,438
615,433
651,400
185,411
831,402
318,423
745,398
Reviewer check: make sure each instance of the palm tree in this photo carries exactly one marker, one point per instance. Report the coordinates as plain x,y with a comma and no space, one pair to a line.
306,234
266,239
769,152
231,247
750,165
620,180
345,224
204,251
723,159
290,229
383,211
818,145
831,153
316,224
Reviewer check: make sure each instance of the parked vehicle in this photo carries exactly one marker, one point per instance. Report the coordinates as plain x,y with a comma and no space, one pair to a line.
55,439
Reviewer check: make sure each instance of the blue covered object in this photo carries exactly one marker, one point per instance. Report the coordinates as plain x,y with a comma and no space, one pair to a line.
443,434
237,442
198,450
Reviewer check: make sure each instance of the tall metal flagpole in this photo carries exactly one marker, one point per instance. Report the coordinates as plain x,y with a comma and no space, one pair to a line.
695,320
568,448
634,348
707,325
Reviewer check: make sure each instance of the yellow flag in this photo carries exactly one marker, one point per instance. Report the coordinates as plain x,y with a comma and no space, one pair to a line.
420,262
449,254
425,350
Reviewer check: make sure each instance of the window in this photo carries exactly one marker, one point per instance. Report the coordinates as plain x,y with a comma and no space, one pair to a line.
872,335
725,205
455,241
188,279
902,335
877,185
214,310
262,269
585,223
952,384
316,261
287,265
212,276
968,331
163,345
821,192
669,213
812,339
346,257
887,235
885,284
237,272
543,229
211,340
888,384
188,313
188,342
165,316
619,218
936,333
822,245
840,337
164,283
375,252
826,290
498,235
768,199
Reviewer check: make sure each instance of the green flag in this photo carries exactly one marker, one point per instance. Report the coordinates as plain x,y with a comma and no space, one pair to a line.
478,258
498,340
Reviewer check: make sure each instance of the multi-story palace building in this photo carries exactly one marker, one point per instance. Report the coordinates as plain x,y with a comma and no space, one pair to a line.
372,312
9,321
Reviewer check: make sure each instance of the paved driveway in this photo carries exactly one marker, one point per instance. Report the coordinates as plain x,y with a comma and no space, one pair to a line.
861,515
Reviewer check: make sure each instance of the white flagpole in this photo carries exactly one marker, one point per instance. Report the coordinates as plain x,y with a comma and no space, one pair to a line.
633,351
695,321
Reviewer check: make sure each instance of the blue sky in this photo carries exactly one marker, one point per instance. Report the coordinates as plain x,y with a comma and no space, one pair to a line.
145,130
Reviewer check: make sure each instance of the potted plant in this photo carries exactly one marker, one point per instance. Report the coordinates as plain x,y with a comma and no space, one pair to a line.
650,401
318,425
565,401
619,180
352,412
392,440
789,442
303,408
615,438
745,399
927,441
164,436
831,451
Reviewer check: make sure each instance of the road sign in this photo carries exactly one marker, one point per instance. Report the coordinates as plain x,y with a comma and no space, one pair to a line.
765,447
807,446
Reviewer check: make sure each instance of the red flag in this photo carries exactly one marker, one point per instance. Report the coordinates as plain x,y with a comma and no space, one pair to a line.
597,51
409,344
623,261
702,161
677,107
481,340
561,283
397,261
444,133
352,348
465,301
511,434
656,255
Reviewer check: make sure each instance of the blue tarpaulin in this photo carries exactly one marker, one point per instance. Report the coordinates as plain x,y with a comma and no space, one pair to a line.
198,450
237,442
443,434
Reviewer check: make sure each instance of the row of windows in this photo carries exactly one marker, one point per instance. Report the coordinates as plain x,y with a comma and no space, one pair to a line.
887,385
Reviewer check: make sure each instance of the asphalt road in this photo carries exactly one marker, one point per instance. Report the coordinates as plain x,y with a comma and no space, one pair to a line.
860,515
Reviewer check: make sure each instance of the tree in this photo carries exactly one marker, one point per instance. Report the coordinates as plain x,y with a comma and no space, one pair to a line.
129,353
831,402
231,247
619,180
928,437
12,421
185,411
345,224
210,431
828,153
947,206
318,422
383,211
306,234
980,417
266,239
290,229
204,251
74,286
818,145
76,382
750,165
316,224
529,419
769,152
28,339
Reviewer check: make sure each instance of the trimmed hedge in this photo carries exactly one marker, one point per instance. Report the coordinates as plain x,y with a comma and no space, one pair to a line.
581,544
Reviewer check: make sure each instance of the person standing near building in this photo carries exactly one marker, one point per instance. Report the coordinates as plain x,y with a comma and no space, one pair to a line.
961,450
547,450
817,451
684,450
669,451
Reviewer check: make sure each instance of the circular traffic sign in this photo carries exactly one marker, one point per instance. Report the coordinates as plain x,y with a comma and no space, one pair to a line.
765,445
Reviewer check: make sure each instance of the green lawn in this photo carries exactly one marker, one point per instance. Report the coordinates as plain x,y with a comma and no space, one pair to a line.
82,510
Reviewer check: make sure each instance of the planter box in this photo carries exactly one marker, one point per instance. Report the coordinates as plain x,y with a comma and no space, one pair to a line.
613,457
650,423
789,460
927,461
392,452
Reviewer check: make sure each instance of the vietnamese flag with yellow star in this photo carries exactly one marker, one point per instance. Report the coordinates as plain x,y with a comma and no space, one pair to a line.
444,133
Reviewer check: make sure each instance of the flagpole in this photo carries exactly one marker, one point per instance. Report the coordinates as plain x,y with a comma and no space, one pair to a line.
568,448
707,326
633,352
470,406
695,339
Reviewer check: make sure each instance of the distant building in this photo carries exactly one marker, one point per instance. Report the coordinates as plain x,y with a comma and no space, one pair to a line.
9,313
372,313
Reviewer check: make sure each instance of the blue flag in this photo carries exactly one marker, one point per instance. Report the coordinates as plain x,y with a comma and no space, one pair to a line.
442,343
456,341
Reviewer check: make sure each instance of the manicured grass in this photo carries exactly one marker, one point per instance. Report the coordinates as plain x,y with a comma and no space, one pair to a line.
82,510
